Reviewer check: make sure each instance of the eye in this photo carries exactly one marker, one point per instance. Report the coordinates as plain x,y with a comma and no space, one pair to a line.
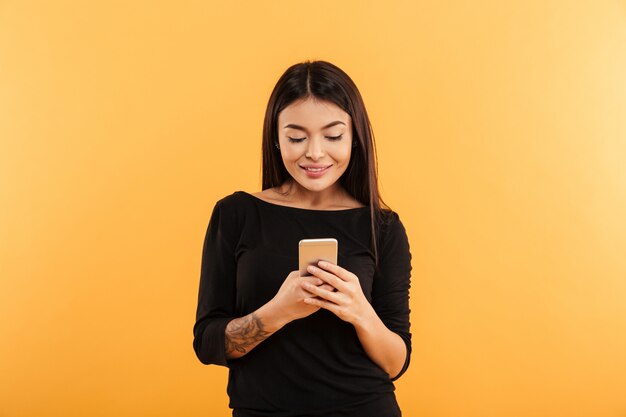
334,138
295,140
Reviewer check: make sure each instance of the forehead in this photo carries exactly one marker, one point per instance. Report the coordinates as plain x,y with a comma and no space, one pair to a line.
312,113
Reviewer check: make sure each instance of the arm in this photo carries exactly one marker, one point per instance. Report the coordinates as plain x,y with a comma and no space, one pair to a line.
386,348
382,326
216,295
392,281
383,346
245,333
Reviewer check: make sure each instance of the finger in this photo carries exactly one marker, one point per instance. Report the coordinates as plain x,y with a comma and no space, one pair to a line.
324,293
336,270
327,277
323,304
313,280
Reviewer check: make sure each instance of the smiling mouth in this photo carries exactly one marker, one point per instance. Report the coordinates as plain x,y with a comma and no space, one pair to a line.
315,172
317,169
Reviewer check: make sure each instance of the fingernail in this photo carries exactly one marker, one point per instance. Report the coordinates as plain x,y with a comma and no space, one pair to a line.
323,264
311,268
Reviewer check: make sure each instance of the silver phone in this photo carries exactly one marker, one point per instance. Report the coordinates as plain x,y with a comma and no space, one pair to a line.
311,251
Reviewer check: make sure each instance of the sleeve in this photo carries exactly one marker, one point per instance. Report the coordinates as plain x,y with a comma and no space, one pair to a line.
392,280
216,295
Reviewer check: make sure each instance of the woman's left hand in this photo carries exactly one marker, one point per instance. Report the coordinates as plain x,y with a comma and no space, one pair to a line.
348,301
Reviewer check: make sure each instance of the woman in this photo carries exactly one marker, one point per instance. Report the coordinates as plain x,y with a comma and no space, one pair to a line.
328,344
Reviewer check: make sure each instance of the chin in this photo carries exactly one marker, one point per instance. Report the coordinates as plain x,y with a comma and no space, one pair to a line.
313,185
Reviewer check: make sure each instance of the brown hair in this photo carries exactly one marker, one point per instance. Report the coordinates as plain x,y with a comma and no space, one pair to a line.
324,81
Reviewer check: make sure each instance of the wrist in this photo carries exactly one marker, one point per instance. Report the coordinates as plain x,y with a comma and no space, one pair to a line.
275,318
367,322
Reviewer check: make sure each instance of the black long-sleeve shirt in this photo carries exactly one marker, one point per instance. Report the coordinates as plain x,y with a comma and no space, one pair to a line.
315,365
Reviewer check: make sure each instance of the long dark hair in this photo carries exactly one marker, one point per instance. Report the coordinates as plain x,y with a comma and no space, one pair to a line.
324,81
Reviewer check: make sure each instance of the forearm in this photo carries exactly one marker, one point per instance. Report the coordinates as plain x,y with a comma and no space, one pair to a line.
384,347
245,333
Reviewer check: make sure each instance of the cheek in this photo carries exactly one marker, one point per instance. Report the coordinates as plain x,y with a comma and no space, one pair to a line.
342,155
289,153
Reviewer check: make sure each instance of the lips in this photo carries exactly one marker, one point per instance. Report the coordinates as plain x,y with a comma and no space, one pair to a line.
315,171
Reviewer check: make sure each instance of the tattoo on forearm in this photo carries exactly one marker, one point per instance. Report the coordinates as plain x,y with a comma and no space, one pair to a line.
244,333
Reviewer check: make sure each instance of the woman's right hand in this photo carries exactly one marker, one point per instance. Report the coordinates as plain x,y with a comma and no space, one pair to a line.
244,333
289,299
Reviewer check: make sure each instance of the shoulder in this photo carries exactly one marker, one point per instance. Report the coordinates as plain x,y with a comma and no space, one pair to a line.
228,217
392,231
389,221
236,203
231,209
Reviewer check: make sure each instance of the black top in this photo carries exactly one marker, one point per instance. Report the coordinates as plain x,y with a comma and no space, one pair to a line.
315,364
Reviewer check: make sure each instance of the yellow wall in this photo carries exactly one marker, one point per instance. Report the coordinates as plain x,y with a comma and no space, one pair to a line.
501,131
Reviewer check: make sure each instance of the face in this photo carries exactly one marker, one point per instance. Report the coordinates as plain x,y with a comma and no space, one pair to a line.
315,139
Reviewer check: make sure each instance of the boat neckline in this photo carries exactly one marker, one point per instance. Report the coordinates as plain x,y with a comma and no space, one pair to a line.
301,208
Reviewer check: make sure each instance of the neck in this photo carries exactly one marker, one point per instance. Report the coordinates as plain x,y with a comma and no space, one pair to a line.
295,193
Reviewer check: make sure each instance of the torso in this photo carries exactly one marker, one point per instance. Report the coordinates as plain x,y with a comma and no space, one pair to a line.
315,364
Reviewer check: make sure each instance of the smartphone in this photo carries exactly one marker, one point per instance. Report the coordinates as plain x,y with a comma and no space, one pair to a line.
311,251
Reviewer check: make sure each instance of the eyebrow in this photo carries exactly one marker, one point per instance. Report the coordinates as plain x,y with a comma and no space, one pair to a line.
331,124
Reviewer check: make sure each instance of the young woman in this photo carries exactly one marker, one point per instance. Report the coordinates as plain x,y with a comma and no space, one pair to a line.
328,344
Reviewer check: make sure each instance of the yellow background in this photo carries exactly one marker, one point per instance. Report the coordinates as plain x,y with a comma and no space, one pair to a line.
501,131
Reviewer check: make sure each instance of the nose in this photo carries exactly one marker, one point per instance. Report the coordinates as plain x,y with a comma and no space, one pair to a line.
315,149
